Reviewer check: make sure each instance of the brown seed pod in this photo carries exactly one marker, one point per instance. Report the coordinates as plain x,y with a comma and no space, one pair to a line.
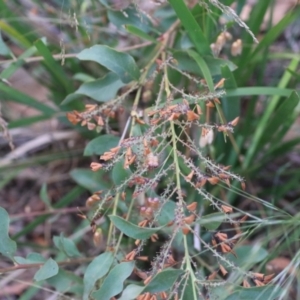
246,284
154,238
147,280
221,236
191,116
213,180
130,256
189,220
143,223
190,176
201,182
216,100
143,258
223,270
185,230
225,248
213,275
98,237
73,117
258,282
243,185
268,278
192,207
152,161
236,47
234,122
223,176
91,126
259,276
199,110
226,209
96,166
90,202
210,104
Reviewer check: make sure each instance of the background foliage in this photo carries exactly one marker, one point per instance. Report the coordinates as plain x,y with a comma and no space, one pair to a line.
55,58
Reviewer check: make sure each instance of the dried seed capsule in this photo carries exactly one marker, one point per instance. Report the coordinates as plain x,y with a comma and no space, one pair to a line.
234,121
147,280
258,282
213,275
143,258
185,230
226,209
190,219
190,176
213,180
268,278
223,270
191,116
236,47
96,166
98,237
246,284
192,207
90,202
152,160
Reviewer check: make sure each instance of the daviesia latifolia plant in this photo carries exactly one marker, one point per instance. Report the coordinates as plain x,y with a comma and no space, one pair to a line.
160,233
171,211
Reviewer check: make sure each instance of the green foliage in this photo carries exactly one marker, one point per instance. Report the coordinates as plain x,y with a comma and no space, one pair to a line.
151,77
120,63
48,270
8,247
132,230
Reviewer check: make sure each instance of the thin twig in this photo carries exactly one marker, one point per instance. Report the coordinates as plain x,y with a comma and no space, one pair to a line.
37,265
72,55
65,210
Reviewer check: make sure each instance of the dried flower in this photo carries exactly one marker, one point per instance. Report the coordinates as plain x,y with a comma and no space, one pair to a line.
192,207
236,47
98,237
96,166
226,209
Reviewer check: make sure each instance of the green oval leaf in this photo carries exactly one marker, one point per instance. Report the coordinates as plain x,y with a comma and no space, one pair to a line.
260,293
140,33
187,63
211,221
103,89
163,281
131,292
31,258
49,269
101,144
133,231
120,63
113,283
96,270
247,256
8,247
66,246
92,181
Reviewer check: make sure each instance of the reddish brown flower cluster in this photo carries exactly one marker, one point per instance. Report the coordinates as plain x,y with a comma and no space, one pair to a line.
173,112
92,116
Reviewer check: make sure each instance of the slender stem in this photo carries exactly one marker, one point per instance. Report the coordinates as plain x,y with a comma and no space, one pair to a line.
65,210
37,265
178,185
